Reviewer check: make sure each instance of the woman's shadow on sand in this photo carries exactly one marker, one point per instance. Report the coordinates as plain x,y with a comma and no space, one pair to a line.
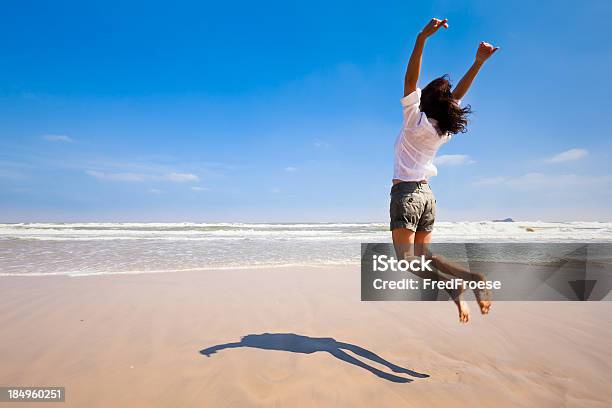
308,345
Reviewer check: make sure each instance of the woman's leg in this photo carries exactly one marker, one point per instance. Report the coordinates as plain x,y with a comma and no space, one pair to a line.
403,241
421,241
483,297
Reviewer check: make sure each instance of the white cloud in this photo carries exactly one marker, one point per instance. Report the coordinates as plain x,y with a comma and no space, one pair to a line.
155,191
543,181
57,138
526,181
138,177
540,180
199,189
118,176
453,160
490,181
181,177
568,155
291,169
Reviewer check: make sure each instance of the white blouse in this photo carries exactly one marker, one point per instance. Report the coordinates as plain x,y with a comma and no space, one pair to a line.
417,143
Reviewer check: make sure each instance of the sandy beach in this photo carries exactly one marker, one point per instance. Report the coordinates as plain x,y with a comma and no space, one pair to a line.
135,341
266,204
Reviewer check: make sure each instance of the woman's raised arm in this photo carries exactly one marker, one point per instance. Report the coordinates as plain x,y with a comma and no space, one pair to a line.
414,65
485,50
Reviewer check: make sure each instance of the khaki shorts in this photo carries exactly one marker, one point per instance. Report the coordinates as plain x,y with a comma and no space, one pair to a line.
413,206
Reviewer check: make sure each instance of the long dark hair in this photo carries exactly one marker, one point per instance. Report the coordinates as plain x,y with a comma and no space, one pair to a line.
437,102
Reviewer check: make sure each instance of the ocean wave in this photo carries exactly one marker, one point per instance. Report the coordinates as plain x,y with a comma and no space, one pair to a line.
84,249
482,230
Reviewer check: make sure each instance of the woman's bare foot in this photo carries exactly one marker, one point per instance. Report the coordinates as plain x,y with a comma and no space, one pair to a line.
464,311
484,305
483,298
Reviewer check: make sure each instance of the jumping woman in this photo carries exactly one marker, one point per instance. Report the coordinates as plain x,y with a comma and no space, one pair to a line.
431,117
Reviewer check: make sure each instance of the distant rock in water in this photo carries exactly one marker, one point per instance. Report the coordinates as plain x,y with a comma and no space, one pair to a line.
529,229
504,220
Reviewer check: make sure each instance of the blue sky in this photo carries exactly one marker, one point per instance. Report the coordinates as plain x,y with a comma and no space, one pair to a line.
288,111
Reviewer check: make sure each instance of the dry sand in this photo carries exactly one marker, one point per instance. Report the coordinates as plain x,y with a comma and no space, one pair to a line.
134,341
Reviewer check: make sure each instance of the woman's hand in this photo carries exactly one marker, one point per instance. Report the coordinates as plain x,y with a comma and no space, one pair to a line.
433,26
485,50
414,65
